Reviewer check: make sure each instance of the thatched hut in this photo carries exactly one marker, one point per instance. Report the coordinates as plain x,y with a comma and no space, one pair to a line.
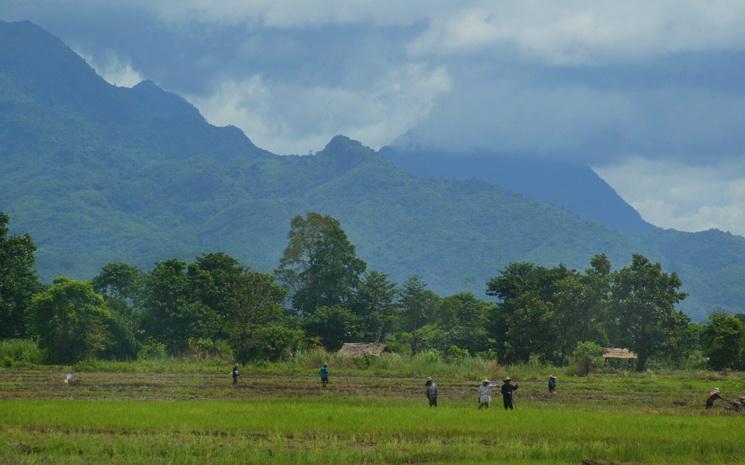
618,354
358,349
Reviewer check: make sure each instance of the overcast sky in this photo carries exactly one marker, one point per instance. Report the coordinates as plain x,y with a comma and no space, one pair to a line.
649,93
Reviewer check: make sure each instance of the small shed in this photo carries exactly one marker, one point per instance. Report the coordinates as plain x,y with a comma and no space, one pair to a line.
618,354
358,349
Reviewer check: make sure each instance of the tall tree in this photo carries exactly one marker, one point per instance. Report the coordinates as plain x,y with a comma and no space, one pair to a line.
417,306
214,278
643,300
319,266
73,323
724,339
256,324
375,303
171,315
334,326
18,280
463,317
121,286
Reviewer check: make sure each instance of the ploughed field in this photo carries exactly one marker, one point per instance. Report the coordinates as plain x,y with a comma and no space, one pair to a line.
286,418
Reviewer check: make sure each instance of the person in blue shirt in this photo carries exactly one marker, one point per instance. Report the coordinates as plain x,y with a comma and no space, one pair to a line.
552,384
235,374
324,375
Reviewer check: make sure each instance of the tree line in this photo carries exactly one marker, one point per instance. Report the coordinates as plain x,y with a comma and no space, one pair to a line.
322,294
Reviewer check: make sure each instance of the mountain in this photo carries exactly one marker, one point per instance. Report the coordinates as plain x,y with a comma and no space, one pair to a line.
97,173
575,187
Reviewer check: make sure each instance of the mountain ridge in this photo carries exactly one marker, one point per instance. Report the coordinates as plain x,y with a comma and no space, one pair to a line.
154,185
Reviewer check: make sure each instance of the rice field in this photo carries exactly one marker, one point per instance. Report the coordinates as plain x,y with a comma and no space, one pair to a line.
286,418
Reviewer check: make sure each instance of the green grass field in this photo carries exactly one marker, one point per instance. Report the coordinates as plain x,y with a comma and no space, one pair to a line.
286,418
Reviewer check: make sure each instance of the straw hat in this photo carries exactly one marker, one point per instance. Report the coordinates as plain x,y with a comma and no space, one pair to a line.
507,379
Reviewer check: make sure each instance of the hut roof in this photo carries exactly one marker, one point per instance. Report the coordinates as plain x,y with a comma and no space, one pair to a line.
610,352
358,349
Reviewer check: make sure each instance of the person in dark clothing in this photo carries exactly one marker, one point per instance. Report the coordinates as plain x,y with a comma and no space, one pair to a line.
713,395
507,389
431,390
552,384
324,375
235,374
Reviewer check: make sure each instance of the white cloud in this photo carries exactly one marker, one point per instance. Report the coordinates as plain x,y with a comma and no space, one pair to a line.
689,198
115,70
292,118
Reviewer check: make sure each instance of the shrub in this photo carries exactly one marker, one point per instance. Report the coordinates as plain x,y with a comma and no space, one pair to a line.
586,357
19,353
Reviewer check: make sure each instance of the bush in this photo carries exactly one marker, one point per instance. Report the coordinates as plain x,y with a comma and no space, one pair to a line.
16,353
586,357
269,344
153,351
204,348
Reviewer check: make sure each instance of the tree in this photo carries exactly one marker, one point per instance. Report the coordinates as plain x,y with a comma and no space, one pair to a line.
463,317
375,303
119,280
73,323
333,325
170,314
121,286
255,314
270,343
643,300
417,306
527,320
214,278
724,340
319,266
18,280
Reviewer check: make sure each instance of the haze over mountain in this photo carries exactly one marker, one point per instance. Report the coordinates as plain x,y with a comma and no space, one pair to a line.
97,173
572,186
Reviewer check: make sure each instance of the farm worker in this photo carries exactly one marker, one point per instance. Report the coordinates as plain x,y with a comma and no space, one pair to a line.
324,375
713,395
68,378
485,393
552,384
235,374
507,389
431,389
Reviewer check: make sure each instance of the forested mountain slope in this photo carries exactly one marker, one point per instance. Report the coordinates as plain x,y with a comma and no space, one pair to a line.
97,173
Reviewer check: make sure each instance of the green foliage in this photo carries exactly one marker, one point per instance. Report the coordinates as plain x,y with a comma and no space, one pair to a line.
724,339
334,326
375,303
643,300
20,353
586,357
319,265
418,306
270,343
18,280
153,351
73,323
170,313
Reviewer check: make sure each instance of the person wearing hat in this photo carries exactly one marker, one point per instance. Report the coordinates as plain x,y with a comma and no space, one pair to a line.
431,391
552,384
324,375
713,395
485,393
507,389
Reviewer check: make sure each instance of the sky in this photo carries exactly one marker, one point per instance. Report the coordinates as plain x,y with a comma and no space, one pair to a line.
650,94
